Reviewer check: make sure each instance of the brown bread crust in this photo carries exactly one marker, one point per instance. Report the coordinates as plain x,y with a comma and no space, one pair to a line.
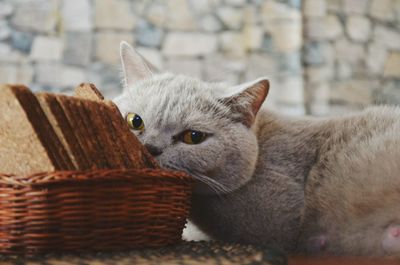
63,128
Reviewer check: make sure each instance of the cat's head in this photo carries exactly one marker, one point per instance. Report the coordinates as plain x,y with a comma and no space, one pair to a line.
198,127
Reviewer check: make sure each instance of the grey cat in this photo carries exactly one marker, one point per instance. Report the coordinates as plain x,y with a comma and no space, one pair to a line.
320,185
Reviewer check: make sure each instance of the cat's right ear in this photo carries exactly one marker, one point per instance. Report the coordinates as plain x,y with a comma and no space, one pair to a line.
134,65
246,99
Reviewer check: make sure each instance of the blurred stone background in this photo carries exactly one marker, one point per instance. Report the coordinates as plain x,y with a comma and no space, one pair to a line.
323,56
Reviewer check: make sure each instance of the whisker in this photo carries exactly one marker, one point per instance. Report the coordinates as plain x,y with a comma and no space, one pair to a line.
215,185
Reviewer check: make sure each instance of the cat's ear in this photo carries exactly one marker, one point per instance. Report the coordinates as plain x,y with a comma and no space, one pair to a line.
134,65
246,99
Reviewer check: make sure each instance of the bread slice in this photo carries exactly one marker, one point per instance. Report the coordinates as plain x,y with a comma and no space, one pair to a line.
132,153
134,150
79,130
63,129
88,91
91,93
93,131
46,130
28,143
105,134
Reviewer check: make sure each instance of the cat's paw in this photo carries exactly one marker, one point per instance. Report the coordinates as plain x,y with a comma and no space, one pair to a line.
391,239
193,233
316,244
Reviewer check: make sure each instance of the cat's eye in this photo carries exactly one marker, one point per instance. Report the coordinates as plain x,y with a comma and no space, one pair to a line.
193,137
135,122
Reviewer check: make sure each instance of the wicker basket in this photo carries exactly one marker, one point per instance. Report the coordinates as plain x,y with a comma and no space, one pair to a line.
99,210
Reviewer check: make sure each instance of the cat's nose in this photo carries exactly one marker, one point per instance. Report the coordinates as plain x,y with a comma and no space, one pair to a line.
153,150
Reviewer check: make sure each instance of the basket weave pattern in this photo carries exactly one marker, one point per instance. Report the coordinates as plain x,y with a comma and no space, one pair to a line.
98,210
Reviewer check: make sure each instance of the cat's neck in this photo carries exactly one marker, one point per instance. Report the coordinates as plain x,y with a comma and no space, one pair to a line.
289,145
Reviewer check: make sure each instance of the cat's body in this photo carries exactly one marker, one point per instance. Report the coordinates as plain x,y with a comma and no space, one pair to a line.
307,185
332,179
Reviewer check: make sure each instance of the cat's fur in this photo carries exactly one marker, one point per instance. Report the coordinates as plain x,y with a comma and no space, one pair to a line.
304,184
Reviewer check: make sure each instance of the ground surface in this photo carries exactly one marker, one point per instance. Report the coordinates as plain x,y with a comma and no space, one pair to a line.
188,253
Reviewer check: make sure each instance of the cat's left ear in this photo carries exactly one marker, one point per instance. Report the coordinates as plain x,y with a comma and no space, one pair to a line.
247,99
134,65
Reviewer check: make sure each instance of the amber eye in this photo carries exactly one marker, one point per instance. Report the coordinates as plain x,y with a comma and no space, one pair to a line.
134,121
193,137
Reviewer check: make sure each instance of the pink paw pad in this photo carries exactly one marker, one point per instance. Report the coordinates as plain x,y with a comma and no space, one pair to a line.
317,244
391,239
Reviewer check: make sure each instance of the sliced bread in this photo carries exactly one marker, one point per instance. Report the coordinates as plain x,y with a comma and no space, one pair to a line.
28,143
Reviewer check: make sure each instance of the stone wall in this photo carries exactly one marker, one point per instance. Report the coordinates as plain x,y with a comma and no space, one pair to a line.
55,44
322,56
351,54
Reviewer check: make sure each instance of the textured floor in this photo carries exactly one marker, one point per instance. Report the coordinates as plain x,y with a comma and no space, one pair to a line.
188,253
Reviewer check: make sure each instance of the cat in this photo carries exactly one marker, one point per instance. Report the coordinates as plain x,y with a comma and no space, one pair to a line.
307,185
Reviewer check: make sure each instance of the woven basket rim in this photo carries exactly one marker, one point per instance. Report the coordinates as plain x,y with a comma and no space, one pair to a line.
53,177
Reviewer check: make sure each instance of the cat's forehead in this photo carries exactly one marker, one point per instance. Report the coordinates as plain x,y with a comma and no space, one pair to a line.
168,99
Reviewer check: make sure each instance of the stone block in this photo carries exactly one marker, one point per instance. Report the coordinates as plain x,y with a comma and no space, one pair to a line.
388,93
5,31
149,35
376,58
76,15
72,76
318,74
46,48
8,74
78,48
231,17
251,15
232,43
185,66
157,13
314,8
259,65
210,23
344,70
22,41
25,74
272,10
253,37
8,55
335,6
388,37
38,15
392,65
106,77
220,68
180,16
355,6
6,9
122,17
107,46
287,37
189,44
318,53
289,63
333,27
358,28
49,74
291,90
382,10
354,91
201,7
346,51
327,28
236,3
